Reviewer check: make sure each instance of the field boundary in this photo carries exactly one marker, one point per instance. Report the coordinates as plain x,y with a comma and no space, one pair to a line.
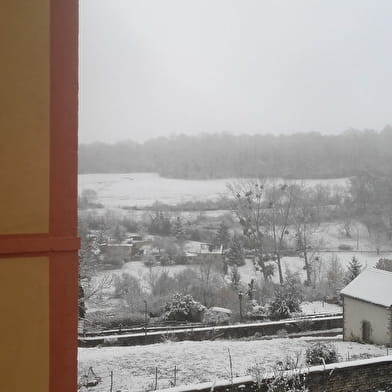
271,328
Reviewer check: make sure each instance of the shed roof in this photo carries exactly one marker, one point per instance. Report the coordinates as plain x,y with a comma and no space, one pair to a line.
372,285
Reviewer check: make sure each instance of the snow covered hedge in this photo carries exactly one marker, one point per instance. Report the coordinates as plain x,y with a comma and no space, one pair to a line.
217,316
287,299
183,308
321,352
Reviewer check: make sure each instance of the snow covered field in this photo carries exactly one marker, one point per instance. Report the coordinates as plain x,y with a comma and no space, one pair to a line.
142,189
318,307
134,367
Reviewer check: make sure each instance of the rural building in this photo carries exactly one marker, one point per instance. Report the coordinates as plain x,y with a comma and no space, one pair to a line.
367,308
202,249
131,248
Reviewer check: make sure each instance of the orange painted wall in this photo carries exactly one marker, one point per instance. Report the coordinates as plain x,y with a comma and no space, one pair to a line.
38,177
24,196
24,116
24,327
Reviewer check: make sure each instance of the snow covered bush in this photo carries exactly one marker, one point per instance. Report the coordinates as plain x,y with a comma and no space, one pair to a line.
279,307
255,311
125,285
287,376
345,247
217,316
287,299
320,353
183,308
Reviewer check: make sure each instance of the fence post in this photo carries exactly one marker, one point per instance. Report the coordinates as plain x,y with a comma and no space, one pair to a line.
111,381
145,319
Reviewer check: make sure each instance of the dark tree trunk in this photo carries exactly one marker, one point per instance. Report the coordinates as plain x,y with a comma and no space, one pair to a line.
281,281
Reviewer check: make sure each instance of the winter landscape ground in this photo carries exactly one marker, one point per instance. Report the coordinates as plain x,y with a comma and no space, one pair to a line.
134,367
143,189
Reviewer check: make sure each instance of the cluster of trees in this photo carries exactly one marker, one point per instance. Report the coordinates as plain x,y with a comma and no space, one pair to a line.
207,284
274,220
384,264
281,218
157,222
217,283
204,282
370,201
304,155
273,216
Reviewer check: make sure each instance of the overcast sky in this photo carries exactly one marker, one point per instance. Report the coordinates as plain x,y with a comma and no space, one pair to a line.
158,67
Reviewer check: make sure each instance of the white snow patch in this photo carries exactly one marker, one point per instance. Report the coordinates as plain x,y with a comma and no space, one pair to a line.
134,367
319,307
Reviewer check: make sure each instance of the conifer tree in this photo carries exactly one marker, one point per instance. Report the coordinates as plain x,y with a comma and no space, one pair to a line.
235,277
178,229
354,269
235,254
222,237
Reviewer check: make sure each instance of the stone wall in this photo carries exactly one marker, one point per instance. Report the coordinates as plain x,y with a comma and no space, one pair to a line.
355,376
221,332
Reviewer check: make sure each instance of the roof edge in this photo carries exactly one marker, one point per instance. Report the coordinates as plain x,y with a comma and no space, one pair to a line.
369,302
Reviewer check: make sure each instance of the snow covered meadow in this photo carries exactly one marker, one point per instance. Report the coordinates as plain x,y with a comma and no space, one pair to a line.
134,368
143,189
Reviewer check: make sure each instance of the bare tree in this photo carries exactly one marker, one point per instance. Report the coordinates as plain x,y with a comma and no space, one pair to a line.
248,207
280,202
264,210
91,285
209,278
305,220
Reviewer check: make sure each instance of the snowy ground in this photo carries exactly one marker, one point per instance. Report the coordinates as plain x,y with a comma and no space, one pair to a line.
134,367
318,307
141,189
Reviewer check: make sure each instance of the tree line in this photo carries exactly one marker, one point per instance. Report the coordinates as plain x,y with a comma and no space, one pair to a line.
223,155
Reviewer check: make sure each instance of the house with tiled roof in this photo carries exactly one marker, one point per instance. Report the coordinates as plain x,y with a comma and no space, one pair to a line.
367,308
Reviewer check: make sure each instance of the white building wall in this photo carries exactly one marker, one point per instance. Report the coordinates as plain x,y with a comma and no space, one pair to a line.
357,311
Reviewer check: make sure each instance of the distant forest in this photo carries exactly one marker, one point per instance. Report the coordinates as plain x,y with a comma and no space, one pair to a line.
209,156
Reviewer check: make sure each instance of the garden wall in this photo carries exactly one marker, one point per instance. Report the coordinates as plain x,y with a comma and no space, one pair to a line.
220,332
355,376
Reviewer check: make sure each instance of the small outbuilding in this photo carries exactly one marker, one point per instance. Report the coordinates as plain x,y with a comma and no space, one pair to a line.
367,308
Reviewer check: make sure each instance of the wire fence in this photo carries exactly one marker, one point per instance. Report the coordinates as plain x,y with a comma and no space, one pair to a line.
123,381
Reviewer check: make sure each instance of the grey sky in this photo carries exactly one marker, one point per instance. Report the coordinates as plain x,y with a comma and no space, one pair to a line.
151,68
